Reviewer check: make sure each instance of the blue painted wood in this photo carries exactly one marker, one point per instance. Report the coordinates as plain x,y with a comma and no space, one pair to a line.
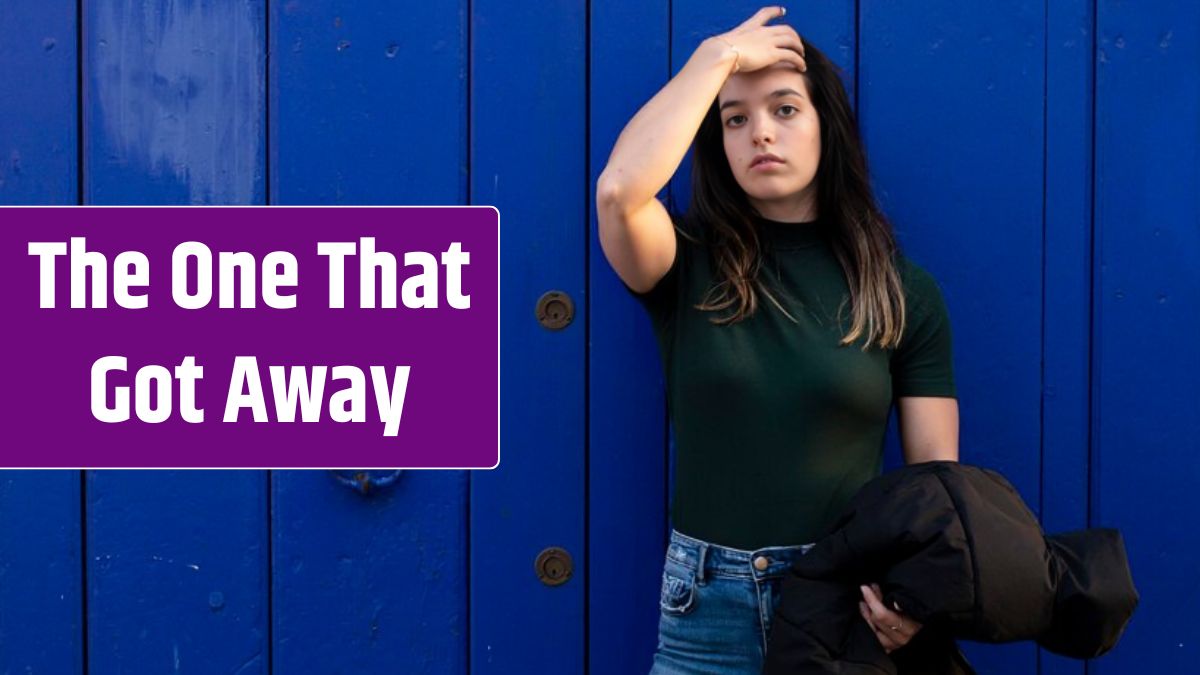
174,102
951,100
368,102
38,108
951,111
177,571
627,520
369,106
177,563
370,583
1146,416
41,604
1068,268
41,595
528,129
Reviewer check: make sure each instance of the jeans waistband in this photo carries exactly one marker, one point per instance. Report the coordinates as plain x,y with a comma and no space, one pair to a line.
708,559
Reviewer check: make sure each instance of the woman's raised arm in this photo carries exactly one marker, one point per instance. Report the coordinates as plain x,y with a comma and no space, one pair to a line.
635,231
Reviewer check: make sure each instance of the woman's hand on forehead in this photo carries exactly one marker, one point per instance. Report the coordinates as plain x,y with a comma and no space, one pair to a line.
759,45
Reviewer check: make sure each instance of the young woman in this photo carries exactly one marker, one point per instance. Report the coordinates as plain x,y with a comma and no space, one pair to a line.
788,322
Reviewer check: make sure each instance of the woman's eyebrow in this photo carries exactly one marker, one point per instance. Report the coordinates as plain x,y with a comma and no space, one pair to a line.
775,94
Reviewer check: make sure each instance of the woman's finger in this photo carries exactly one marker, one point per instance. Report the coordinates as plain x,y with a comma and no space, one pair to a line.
791,44
790,56
908,625
785,31
762,16
885,640
874,604
886,637
886,618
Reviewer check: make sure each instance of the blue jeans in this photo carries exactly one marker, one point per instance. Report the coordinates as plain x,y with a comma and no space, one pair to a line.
716,606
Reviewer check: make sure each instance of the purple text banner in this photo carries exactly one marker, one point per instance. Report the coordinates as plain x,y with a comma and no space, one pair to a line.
251,337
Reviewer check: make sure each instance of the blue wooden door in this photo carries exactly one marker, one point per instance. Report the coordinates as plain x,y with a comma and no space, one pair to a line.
1038,158
320,103
1145,456
41,553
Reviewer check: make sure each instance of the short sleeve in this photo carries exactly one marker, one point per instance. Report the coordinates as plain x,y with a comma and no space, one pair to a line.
923,362
660,301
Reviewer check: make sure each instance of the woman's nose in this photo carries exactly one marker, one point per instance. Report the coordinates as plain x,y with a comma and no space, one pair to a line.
763,133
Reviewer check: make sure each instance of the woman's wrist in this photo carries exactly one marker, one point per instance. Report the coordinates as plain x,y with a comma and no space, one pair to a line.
720,53
737,55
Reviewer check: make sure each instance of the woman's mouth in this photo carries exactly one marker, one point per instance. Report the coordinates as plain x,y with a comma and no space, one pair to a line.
766,164
765,161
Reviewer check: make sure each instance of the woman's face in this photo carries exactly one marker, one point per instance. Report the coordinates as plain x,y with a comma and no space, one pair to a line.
768,112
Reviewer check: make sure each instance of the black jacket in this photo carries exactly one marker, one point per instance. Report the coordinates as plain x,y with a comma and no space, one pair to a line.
960,552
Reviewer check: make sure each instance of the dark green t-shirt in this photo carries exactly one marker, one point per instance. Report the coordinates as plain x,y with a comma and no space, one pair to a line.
776,426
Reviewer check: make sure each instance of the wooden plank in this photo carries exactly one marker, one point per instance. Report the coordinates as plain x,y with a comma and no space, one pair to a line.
177,562
952,115
41,595
39,111
369,106
528,125
1146,419
177,571
370,583
1068,265
368,102
627,522
174,102
41,603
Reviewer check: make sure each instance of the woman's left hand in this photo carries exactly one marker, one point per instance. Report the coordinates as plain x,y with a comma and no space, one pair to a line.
893,628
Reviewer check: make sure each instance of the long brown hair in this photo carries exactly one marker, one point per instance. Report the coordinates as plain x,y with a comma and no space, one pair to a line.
861,236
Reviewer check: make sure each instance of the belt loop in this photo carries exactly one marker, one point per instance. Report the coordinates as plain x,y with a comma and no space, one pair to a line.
700,562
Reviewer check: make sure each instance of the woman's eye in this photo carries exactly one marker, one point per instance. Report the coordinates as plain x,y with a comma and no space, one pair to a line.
793,109
735,119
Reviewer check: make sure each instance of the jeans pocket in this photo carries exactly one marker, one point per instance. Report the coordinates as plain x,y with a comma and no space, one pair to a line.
678,596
